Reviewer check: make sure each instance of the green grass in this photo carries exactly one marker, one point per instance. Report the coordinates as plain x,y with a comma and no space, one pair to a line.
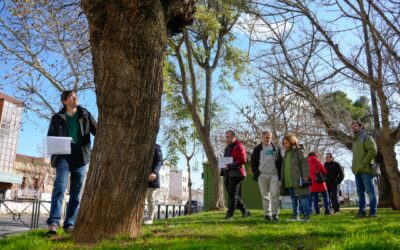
210,231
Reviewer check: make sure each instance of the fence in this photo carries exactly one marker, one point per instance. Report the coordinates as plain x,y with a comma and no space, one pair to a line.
167,211
22,215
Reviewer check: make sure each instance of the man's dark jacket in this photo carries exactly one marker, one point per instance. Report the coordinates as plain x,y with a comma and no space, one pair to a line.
155,167
87,125
255,160
335,173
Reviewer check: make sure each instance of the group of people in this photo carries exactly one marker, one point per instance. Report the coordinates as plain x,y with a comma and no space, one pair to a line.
303,178
276,173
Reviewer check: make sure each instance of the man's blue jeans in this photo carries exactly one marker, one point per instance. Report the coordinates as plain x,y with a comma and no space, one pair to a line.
78,173
295,203
315,196
364,183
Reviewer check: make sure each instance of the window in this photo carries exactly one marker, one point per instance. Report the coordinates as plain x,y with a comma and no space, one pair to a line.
23,184
36,183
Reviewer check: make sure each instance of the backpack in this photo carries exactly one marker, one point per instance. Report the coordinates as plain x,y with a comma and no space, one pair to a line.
375,168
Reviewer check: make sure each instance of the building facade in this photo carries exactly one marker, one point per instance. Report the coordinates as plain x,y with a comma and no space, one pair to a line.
38,177
178,187
10,125
198,195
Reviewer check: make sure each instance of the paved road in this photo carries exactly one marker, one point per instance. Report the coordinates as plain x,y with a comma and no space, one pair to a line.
14,225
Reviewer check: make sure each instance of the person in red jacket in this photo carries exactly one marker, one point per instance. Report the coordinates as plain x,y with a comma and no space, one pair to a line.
317,188
234,173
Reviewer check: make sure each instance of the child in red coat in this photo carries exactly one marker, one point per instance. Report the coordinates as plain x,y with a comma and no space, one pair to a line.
317,188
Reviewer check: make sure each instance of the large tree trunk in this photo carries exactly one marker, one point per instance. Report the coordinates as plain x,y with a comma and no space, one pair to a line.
128,41
390,173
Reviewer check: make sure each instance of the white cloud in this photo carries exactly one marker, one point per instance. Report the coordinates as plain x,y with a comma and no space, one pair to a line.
257,30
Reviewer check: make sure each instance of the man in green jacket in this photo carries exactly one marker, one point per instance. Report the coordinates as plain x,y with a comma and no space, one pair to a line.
364,151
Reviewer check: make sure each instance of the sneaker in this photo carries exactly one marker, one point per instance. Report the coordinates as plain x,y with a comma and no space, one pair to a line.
148,222
305,218
372,215
68,230
52,230
360,215
246,214
267,218
275,218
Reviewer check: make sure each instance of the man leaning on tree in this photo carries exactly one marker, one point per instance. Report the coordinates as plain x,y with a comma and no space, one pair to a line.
266,163
76,122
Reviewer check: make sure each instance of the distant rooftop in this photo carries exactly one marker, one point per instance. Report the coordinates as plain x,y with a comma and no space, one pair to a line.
11,99
30,159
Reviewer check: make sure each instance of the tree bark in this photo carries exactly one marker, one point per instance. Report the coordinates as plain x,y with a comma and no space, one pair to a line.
128,41
390,173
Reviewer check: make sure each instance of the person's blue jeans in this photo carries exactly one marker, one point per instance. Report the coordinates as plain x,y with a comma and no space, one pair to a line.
324,200
309,202
364,184
78,173
295,204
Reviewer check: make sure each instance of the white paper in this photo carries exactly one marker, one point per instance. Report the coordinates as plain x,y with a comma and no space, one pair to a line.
224,161
57,145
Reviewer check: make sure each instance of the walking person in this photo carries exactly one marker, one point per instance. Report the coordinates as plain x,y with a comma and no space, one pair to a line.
294,167
334,177
76,122
234,173
318,188
154,183
266,163
364,151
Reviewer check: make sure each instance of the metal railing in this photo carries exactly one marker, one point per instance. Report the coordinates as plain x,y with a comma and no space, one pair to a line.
169,211
22,218
30,215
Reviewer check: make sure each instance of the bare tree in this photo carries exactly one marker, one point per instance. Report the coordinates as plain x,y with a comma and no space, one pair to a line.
371,60
44,46
276,109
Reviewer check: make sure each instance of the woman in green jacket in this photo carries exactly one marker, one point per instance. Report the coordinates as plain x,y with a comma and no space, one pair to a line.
295,166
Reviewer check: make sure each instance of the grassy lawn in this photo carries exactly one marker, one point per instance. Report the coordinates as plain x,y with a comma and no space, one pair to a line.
209,230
